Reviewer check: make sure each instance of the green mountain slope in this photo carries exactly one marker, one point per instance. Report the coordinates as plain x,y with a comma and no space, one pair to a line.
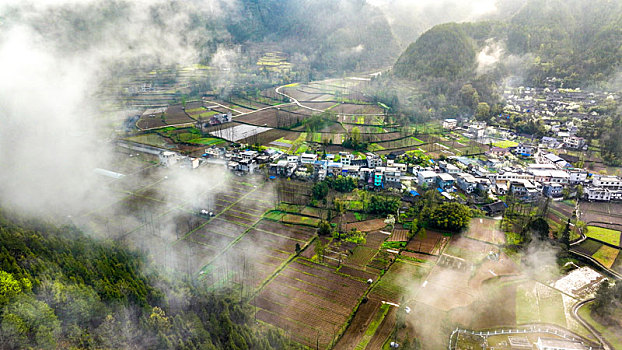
62,290
578,41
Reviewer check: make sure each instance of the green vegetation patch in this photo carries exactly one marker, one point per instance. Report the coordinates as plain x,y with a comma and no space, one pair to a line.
552,308
207,114
393,245
375,147
300,220
208,141
613,337
505,144
606,255
274,215
604,235
149,139
195,110
373,326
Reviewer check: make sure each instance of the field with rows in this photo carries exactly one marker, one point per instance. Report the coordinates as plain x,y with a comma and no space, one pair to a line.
310,301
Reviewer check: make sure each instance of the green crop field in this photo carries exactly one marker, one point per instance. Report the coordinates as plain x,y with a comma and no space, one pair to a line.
606,255
505,144
604,235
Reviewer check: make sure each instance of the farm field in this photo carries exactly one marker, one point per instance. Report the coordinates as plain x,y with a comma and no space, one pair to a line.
469,249
367,225
505,144
604,235
588,247
404,277
360,324
431,243
487,230
238,132
309,300
608,215
606,255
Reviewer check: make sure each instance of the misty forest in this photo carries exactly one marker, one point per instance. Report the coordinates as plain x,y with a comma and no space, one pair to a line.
311,174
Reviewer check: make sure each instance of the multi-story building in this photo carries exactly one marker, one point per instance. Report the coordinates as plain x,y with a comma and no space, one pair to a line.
308,158
373,160
574,142
609,182
445,181
450,124
426,178
577,176
524,189
467,182
552,190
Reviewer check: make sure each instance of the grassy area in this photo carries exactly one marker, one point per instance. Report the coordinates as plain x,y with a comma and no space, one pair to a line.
300,220
527,310
393,245
290,208
604,234
402,276
373,326
552,309
149,139
207,114
207,141
611,335
374,147
274,215
360,216
606,255
505,144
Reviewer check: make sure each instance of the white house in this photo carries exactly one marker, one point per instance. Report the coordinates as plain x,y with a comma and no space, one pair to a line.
450,124
467,182
168,158
308,158
577,176
574,142
609,182
426,177
373,160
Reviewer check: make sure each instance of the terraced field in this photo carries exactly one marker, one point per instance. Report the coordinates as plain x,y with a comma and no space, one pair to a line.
310,301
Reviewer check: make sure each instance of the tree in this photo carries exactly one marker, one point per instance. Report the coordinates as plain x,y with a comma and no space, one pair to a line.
565,236
27,322
340,207
319,249
540,227
10,287
324,228
450,216
320,190
297,248
382,205
483,111
469,96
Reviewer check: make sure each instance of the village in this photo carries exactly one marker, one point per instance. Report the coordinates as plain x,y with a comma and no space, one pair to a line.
275,164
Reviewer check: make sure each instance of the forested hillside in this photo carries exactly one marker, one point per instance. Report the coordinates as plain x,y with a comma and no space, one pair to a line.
333,35
577,41
61,289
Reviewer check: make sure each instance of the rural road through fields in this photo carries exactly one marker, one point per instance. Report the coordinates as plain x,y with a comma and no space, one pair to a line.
278,91
597,335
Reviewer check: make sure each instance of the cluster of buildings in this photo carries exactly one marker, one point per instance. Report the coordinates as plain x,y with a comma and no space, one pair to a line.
486,177
551,102
371,171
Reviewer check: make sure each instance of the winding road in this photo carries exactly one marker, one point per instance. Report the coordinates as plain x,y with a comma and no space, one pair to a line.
595,333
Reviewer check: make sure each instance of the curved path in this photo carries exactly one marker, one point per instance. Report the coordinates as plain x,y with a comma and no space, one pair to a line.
595,333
